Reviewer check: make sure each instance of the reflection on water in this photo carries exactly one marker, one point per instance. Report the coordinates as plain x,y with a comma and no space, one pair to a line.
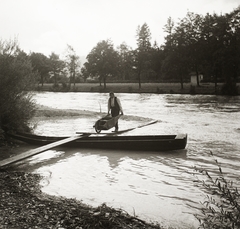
155,186
129,180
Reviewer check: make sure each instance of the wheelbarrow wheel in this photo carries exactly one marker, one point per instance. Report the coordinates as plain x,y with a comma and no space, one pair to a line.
97,127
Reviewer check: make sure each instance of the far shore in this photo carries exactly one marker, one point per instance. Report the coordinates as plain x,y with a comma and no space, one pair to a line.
45,112
157,88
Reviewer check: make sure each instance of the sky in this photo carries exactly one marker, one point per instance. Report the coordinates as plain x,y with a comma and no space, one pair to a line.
47,26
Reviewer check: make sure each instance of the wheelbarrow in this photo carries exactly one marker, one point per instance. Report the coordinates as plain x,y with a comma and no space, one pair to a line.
106,123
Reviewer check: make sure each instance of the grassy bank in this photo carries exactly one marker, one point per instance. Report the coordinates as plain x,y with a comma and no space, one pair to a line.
159,88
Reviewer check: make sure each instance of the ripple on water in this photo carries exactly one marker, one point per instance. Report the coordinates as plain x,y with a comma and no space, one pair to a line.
154,186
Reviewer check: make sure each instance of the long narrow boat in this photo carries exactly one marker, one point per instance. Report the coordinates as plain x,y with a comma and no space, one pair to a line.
133,142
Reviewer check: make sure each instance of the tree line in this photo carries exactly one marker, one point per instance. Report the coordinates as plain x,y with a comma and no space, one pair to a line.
207,45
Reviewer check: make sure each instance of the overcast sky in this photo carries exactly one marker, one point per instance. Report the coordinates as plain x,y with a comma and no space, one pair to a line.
47,26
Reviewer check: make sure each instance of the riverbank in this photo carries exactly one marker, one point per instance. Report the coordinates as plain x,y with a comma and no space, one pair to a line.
158,88
23,205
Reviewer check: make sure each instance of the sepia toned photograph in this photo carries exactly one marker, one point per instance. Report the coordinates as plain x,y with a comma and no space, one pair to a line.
119,114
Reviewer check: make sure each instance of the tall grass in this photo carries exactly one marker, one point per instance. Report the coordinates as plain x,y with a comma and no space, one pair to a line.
221,209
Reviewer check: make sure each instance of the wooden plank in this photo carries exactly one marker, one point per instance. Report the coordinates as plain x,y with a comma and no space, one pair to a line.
147,124
38,150
120,131
92,133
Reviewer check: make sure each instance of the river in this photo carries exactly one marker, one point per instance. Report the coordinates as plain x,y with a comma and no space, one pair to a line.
158,187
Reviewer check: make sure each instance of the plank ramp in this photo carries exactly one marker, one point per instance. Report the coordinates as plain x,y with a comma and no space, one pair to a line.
38,150
120,131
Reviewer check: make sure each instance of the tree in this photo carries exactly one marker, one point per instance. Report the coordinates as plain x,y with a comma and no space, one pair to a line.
168,69
220,40
191,25
17,79
231,60
73,63
169,29
84,71
157,57
56,66
176,61
41,65
220,45
126,59
143,50
102,61
234,31
208,45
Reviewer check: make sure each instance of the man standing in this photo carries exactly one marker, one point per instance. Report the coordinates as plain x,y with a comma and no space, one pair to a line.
114,105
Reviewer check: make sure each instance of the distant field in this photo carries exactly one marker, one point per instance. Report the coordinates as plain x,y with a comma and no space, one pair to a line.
159,88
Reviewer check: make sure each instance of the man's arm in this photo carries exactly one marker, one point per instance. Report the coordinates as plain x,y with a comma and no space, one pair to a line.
109,108
120,105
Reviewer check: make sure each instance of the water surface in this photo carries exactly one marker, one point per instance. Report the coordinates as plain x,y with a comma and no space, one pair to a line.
154,186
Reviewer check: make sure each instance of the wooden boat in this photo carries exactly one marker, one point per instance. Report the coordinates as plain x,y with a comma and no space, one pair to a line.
98,141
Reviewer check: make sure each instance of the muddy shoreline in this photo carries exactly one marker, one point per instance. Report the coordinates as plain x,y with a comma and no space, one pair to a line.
23,205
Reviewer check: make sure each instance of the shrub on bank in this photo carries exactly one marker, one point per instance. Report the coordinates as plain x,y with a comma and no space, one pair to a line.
221,209
17,78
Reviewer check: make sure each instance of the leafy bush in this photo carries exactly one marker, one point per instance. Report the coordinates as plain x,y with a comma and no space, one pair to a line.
222,206
65,86
17,78
55,87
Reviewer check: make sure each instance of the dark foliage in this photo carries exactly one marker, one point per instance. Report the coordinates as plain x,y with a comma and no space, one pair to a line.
229,88
16,77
